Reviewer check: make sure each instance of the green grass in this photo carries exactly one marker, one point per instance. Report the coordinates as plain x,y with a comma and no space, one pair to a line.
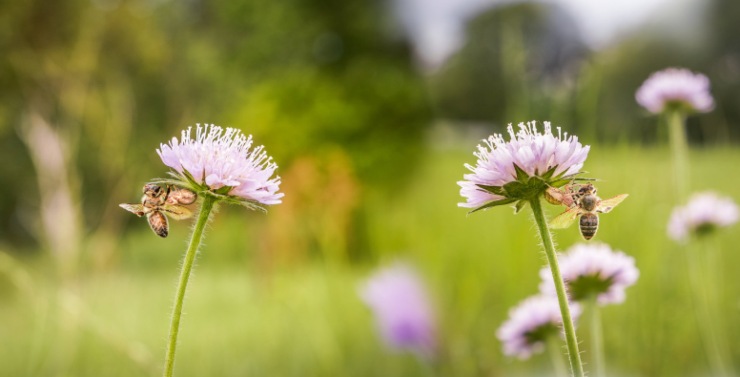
306,320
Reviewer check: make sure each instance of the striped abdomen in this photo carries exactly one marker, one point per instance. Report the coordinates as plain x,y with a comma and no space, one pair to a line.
589,224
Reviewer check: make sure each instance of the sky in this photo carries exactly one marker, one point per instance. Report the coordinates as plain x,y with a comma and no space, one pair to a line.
437,26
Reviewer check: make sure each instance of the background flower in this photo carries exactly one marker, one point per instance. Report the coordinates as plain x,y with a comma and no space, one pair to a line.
704,212
534,152
530,323
675,87
218,158
402,309
593,269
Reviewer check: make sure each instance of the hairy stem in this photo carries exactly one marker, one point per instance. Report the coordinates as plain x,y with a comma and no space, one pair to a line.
597,339
570,333
187,266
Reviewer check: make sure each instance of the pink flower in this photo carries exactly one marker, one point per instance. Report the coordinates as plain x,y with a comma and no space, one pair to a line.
593,269
402,308
675,88
704,212
530,324
545,155
223,161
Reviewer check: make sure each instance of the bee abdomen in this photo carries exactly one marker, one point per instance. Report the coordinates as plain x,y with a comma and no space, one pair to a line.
589,224
158,223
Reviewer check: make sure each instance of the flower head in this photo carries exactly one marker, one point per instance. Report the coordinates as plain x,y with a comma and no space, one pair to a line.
593,270
703,213
402,309
530,324
222,161
521,168
675,88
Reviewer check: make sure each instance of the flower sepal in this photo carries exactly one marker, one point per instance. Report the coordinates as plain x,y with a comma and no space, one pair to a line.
587,287
182,181
185,180
494,203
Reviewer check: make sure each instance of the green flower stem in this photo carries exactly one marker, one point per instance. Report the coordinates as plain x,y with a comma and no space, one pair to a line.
570,333
187,266
680,150
556,356
707,315
597,339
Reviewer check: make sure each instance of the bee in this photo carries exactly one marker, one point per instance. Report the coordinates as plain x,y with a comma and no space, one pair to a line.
158,201
582,201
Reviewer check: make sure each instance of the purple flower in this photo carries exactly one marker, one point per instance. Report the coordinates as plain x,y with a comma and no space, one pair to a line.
675,88
593,269
530,324
402,309
528,152
704,212
223,161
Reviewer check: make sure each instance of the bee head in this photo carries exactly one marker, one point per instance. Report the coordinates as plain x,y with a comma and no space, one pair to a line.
152,190
587,189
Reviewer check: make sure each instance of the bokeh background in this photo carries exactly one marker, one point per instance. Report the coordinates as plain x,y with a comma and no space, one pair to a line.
370,108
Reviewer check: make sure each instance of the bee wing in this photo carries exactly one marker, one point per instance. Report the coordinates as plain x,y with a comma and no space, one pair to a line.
609,204
136,209
177,212
565,219
158,223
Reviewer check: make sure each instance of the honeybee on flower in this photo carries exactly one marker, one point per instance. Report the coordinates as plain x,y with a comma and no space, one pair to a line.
581,201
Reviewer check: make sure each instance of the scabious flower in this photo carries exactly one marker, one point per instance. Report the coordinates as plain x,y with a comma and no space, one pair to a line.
530,324
402,309
523,167
675,88
703,213
593,270
222,161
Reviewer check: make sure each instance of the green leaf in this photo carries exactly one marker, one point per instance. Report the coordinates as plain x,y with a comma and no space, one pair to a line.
560,183
515,189
494,203
519,205
521,175
535,186
548,174
181,180
569,179
190,178
497,190
167,181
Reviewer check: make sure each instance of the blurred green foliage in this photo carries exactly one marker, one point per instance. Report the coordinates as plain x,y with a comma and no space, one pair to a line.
115,78
527,61
307,319
369,148
520,62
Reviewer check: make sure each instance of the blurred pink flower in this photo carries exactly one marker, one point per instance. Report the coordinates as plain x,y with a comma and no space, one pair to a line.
530,324
402,309
218,158
593,269
675,87
703,213
534,152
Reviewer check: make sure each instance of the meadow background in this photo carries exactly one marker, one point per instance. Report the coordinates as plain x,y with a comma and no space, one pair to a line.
371,140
